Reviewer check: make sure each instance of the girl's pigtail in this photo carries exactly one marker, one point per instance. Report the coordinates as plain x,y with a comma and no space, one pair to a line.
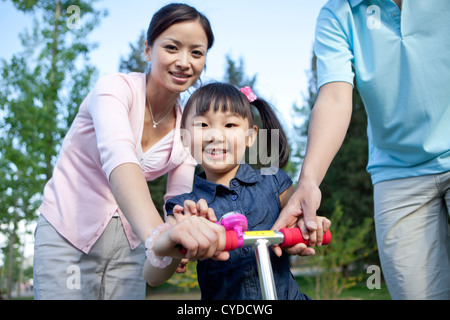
270,122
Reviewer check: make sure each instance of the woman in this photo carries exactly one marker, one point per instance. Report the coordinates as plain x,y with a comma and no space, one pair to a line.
97,209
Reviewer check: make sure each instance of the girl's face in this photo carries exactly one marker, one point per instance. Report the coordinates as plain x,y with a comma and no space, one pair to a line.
178,56
218,141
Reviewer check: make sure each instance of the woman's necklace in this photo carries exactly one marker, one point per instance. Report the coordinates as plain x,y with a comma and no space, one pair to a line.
155,123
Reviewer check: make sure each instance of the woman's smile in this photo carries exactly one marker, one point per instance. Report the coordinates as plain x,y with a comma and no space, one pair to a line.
180,77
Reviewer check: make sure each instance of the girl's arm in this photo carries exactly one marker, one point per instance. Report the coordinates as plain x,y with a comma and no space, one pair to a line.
286,195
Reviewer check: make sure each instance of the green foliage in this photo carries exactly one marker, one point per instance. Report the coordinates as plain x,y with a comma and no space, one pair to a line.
301,115
135,61
186,281
332,262
40,91
157,189
235,73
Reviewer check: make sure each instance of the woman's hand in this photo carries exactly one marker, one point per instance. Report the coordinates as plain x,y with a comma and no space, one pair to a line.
201,238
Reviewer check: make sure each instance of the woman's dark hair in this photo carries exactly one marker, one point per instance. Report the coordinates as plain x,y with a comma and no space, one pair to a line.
174,13
226,97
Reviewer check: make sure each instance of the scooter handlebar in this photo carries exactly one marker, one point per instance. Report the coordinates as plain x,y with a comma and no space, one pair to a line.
236,226
293,236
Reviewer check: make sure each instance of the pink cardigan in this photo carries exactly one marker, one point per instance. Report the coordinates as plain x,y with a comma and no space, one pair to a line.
107,131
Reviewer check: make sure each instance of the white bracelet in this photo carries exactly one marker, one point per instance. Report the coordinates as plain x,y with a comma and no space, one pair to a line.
155,260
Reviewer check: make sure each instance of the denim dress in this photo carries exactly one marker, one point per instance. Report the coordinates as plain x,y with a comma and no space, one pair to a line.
257,197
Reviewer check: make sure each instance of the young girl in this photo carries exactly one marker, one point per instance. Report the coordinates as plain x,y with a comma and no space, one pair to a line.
218,127
97,210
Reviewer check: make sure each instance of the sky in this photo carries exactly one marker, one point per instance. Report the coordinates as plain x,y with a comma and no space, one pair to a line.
274,38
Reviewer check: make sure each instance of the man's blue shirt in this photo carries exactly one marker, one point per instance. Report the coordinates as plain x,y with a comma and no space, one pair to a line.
401,64
258,198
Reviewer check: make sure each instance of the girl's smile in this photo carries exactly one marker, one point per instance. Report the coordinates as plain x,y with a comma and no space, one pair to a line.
219,146
215,153
218,141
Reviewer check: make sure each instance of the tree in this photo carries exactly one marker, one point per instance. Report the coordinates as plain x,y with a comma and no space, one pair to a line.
300,117
235,74
348,246
41,89
135,61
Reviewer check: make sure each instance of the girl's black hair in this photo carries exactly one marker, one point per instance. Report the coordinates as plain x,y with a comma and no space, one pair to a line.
226,97
175,13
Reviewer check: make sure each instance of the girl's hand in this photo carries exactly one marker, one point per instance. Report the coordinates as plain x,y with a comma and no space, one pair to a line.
182,266
191,208
302,205
323,224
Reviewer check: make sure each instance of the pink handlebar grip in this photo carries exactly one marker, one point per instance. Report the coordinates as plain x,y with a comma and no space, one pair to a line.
293,236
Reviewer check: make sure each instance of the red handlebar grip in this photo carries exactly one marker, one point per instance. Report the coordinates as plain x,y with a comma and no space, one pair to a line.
230,245
326,237
232,240
293,236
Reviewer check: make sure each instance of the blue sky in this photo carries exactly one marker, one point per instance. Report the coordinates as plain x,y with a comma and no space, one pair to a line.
274,38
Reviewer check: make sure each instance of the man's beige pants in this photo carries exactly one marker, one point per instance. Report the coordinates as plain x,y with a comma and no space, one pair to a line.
413,235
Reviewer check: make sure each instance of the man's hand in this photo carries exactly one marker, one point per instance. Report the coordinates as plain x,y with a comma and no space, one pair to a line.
300,212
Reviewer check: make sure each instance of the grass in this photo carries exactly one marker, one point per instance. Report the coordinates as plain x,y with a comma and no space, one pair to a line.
358,291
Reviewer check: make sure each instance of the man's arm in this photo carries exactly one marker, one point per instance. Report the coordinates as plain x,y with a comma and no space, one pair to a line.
329,122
